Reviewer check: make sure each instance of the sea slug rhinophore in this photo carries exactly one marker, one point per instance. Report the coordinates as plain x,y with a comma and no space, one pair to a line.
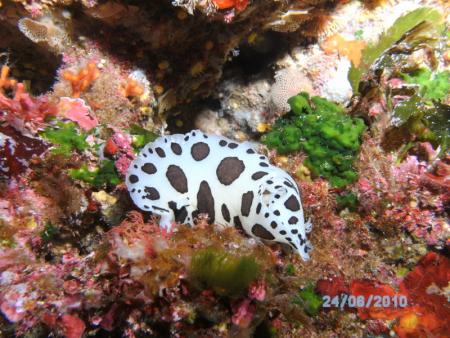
180,176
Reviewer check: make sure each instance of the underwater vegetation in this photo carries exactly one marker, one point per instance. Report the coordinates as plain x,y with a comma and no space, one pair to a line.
20,109
427,18
417,90
141,136
105,174
320,128
309,300
432,86
223,273
425,114
66,137
417,120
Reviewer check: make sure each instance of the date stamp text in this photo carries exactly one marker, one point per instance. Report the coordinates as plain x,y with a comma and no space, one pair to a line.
344,300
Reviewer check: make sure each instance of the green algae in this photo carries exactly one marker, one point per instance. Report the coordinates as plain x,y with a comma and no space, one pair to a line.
290,269
347,201
431,21
226,274
141,136
66,137
105,175
432,85
309,300
421,121
321,129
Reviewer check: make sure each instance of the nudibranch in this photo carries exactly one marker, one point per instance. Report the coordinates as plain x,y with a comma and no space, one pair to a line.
178,177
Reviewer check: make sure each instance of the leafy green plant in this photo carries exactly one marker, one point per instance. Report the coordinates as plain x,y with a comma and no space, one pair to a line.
226,274
105,175
421,121
67,138
309,300
432,86
320,128
400,27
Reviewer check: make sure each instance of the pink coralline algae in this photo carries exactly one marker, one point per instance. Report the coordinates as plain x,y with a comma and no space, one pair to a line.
133,239
420,223
244,309
76,110
122,140
409,171
439,178
122,164
12,304
46,289
119,145
73,327
317,197
404,196
257,291
22,204
23,111
243,312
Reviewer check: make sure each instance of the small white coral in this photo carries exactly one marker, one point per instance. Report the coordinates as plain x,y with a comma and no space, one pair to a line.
337,88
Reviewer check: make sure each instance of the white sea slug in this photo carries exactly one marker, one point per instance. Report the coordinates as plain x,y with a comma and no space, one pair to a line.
180,176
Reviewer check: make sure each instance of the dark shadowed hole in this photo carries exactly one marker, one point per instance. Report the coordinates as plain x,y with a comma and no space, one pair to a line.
255,57
30,63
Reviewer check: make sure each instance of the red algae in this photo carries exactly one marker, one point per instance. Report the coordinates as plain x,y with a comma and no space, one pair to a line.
24,112
73,327
76,110
418,306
